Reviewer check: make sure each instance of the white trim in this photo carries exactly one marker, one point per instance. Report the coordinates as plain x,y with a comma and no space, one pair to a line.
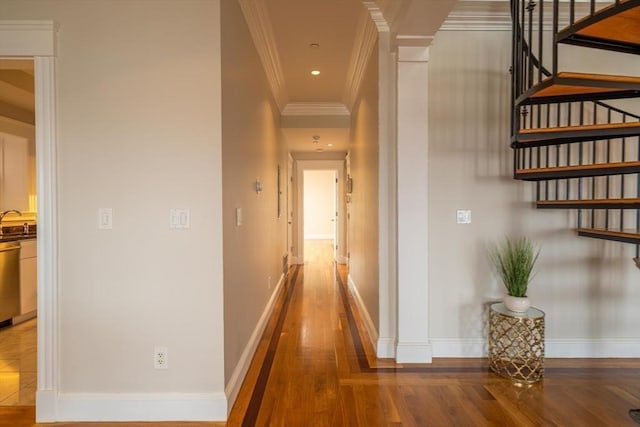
233,386
141,407
496,16
342,259
315,109
459,347
37,39
27,38
414,352
372,331
24,317
616,347
47,186
386,348
257,18
414,41
387,196
365,40
554,348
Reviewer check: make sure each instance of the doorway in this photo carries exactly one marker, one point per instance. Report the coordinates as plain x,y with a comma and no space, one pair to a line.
320,206
320,209
18,339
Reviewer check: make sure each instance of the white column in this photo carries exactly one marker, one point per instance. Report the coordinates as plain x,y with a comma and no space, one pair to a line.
413,344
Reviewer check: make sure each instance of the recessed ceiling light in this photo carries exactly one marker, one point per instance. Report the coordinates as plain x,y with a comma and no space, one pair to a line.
315,72
329,145
314,45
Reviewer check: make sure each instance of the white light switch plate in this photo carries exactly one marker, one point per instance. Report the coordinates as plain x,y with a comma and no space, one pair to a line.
463,216
179,218
105,218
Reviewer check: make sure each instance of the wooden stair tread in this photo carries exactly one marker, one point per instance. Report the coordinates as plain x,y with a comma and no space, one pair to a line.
625,236
611,26
566,134
626,203
570,86
577,171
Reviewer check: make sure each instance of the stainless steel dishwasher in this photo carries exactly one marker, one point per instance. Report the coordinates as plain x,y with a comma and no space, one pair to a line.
9,280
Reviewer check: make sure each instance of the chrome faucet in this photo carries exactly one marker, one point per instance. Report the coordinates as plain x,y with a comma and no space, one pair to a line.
4,213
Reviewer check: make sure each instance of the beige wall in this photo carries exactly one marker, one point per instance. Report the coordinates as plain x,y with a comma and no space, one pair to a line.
252,148
587,288
138,98
363,225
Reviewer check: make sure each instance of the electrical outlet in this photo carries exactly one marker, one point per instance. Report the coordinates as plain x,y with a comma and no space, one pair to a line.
161,358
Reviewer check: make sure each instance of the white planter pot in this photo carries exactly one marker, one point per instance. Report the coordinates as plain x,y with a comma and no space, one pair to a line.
517,304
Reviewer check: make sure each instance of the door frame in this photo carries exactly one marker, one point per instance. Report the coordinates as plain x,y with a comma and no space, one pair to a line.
37,40
338,167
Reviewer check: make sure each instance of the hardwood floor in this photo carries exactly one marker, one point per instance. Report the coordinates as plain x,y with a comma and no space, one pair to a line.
313,369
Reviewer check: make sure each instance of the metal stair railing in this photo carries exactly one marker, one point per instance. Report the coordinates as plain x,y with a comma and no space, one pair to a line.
535,42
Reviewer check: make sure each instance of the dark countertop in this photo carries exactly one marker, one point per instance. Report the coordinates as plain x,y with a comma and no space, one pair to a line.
13,233
12,237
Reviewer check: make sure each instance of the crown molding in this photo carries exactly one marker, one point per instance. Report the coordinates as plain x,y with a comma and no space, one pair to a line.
364,42
479,16
257,18
414,41
495,15
315,109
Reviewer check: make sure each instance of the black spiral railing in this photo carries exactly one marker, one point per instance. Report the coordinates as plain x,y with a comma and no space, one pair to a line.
583,153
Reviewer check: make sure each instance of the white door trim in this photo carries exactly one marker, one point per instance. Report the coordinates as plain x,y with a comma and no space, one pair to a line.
338,167
36,39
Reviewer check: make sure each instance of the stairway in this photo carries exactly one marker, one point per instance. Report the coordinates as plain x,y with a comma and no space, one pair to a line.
571,130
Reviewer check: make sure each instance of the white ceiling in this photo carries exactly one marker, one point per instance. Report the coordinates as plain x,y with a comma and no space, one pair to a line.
288,29
337,27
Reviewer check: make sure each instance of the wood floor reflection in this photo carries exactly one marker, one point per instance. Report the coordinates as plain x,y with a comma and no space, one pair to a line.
313,368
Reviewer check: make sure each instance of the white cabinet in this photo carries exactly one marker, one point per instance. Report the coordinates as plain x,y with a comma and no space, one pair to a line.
14,172
28,278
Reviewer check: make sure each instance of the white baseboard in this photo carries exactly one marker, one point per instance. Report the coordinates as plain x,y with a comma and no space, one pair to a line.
464,347
24,317
554,348
414,352
372,331
131,407
235,382
45,406
594,348
386,348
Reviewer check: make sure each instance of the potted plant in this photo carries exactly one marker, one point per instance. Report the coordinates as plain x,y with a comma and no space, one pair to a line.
514,260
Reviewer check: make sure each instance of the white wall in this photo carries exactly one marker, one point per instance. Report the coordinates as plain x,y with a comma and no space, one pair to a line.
252,148
138,98
363,209
319,204
587,288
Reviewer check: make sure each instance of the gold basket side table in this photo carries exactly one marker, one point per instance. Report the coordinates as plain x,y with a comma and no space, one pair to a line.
516,343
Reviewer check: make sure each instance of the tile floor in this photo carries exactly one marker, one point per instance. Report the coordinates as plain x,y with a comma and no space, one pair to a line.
18,349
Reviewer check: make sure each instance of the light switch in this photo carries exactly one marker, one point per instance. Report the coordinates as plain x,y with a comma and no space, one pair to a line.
238,217
179,218
463,216
105,218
